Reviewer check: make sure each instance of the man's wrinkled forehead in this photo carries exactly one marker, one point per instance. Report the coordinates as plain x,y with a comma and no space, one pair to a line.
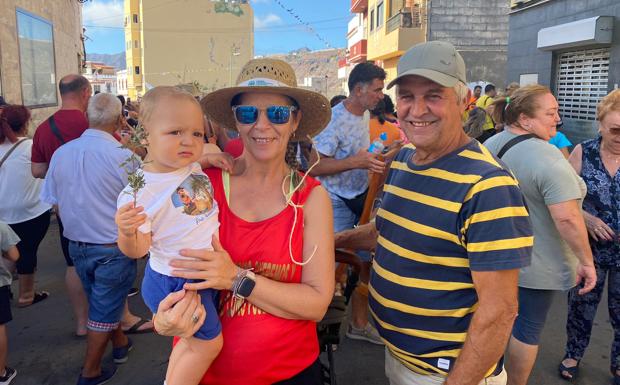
415,83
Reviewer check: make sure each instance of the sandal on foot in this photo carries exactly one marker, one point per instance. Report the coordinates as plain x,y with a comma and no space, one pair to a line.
38,297
135,328
572,371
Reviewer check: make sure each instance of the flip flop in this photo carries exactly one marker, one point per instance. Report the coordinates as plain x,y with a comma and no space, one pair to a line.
135,328
572,371
38,297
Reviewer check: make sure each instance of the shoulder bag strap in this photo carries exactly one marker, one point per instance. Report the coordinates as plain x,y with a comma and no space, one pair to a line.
8,153
490,117
512,142
55,129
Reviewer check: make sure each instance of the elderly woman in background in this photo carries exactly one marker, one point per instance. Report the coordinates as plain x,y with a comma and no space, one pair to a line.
553,193
597,161
20,206
275,265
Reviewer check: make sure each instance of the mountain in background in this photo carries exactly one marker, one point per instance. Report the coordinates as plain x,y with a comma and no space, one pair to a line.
116,60
306,63
323,63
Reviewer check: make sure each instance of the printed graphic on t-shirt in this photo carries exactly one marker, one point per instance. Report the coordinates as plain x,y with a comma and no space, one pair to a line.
194,195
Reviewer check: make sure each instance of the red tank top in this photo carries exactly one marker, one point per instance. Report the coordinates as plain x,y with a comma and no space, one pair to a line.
260,348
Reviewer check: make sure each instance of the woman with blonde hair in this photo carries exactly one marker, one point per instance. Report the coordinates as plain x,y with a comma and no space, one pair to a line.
274,260
561,255
597,161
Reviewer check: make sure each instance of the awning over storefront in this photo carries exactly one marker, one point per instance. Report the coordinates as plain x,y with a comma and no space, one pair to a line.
586,32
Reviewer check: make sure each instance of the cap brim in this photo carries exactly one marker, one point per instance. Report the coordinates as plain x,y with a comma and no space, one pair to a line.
436,76
315,109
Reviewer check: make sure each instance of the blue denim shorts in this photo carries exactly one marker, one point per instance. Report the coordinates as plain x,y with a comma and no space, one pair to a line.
534,305
156,286
345,219
107,275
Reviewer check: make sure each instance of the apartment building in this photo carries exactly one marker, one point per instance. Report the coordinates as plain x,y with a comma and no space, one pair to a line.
204,42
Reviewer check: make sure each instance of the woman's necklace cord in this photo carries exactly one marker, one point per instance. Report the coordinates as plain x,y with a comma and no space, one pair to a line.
289,202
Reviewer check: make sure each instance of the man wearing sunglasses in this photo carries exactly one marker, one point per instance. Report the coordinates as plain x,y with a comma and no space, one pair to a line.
343,171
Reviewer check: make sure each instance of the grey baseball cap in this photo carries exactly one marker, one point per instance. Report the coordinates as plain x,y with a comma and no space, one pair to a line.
434,60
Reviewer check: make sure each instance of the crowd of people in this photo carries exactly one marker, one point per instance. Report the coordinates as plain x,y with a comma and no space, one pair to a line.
238,200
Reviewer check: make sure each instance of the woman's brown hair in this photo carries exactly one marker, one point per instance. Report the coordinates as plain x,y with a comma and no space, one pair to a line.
523,100
13,120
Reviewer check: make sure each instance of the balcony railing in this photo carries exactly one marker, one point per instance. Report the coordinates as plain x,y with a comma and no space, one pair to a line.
359,6
405,18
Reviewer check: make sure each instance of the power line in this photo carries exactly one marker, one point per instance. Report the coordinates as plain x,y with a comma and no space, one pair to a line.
310,29
282,28
218,32
227,29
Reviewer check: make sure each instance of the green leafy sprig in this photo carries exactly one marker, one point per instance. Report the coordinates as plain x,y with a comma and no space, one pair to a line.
133,164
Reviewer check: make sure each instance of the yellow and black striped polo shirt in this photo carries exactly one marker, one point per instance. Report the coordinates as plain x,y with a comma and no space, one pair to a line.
436,224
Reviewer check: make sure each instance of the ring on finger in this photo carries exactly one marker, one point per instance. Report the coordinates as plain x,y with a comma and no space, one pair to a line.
195,318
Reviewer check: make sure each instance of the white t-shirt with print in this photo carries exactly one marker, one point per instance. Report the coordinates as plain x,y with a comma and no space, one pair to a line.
181,213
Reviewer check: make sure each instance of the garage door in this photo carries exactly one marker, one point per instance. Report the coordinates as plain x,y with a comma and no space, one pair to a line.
581,82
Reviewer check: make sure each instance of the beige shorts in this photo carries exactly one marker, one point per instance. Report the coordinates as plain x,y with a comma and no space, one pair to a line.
399,374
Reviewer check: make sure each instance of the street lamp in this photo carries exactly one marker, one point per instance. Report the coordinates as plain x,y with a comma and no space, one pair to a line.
234,51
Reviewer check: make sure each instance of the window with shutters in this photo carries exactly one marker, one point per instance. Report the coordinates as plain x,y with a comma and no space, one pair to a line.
581,82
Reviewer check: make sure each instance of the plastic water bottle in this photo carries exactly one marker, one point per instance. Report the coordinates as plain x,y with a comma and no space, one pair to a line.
378,145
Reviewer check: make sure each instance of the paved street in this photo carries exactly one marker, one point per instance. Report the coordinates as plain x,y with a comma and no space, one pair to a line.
44,352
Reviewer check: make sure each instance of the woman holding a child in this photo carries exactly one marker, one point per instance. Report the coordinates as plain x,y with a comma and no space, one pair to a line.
274,259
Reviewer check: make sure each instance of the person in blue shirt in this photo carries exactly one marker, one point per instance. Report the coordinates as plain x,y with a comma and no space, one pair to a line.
560,140
562,143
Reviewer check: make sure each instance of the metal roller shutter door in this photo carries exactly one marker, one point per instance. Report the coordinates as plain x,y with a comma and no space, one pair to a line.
581,82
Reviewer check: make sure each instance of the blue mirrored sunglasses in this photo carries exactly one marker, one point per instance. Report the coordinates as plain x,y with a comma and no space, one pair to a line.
275,114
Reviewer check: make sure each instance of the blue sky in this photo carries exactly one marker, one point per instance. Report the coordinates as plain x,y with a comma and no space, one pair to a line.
276,29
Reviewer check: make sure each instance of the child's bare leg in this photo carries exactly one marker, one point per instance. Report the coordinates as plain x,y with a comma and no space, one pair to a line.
190,359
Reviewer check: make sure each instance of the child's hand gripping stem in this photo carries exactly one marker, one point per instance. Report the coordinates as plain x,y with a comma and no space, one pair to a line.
132,242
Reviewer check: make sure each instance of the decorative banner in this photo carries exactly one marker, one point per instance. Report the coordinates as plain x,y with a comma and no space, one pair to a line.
310,29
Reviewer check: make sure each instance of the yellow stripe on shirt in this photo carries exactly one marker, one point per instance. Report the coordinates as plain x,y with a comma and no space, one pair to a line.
484,155
411,362
417,227
439,336
459,313
496,181
501,244
438,173
424,199
417,283
422,258
441,353
491,215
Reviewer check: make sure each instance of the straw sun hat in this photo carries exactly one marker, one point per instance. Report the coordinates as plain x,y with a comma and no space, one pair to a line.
273,76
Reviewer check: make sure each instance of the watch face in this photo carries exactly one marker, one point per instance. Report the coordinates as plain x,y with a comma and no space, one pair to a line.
245,287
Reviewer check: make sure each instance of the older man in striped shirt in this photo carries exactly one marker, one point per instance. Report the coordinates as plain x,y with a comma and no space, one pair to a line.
453,232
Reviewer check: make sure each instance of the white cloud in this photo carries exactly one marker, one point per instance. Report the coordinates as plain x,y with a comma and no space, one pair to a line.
100,13
267,21
260,1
